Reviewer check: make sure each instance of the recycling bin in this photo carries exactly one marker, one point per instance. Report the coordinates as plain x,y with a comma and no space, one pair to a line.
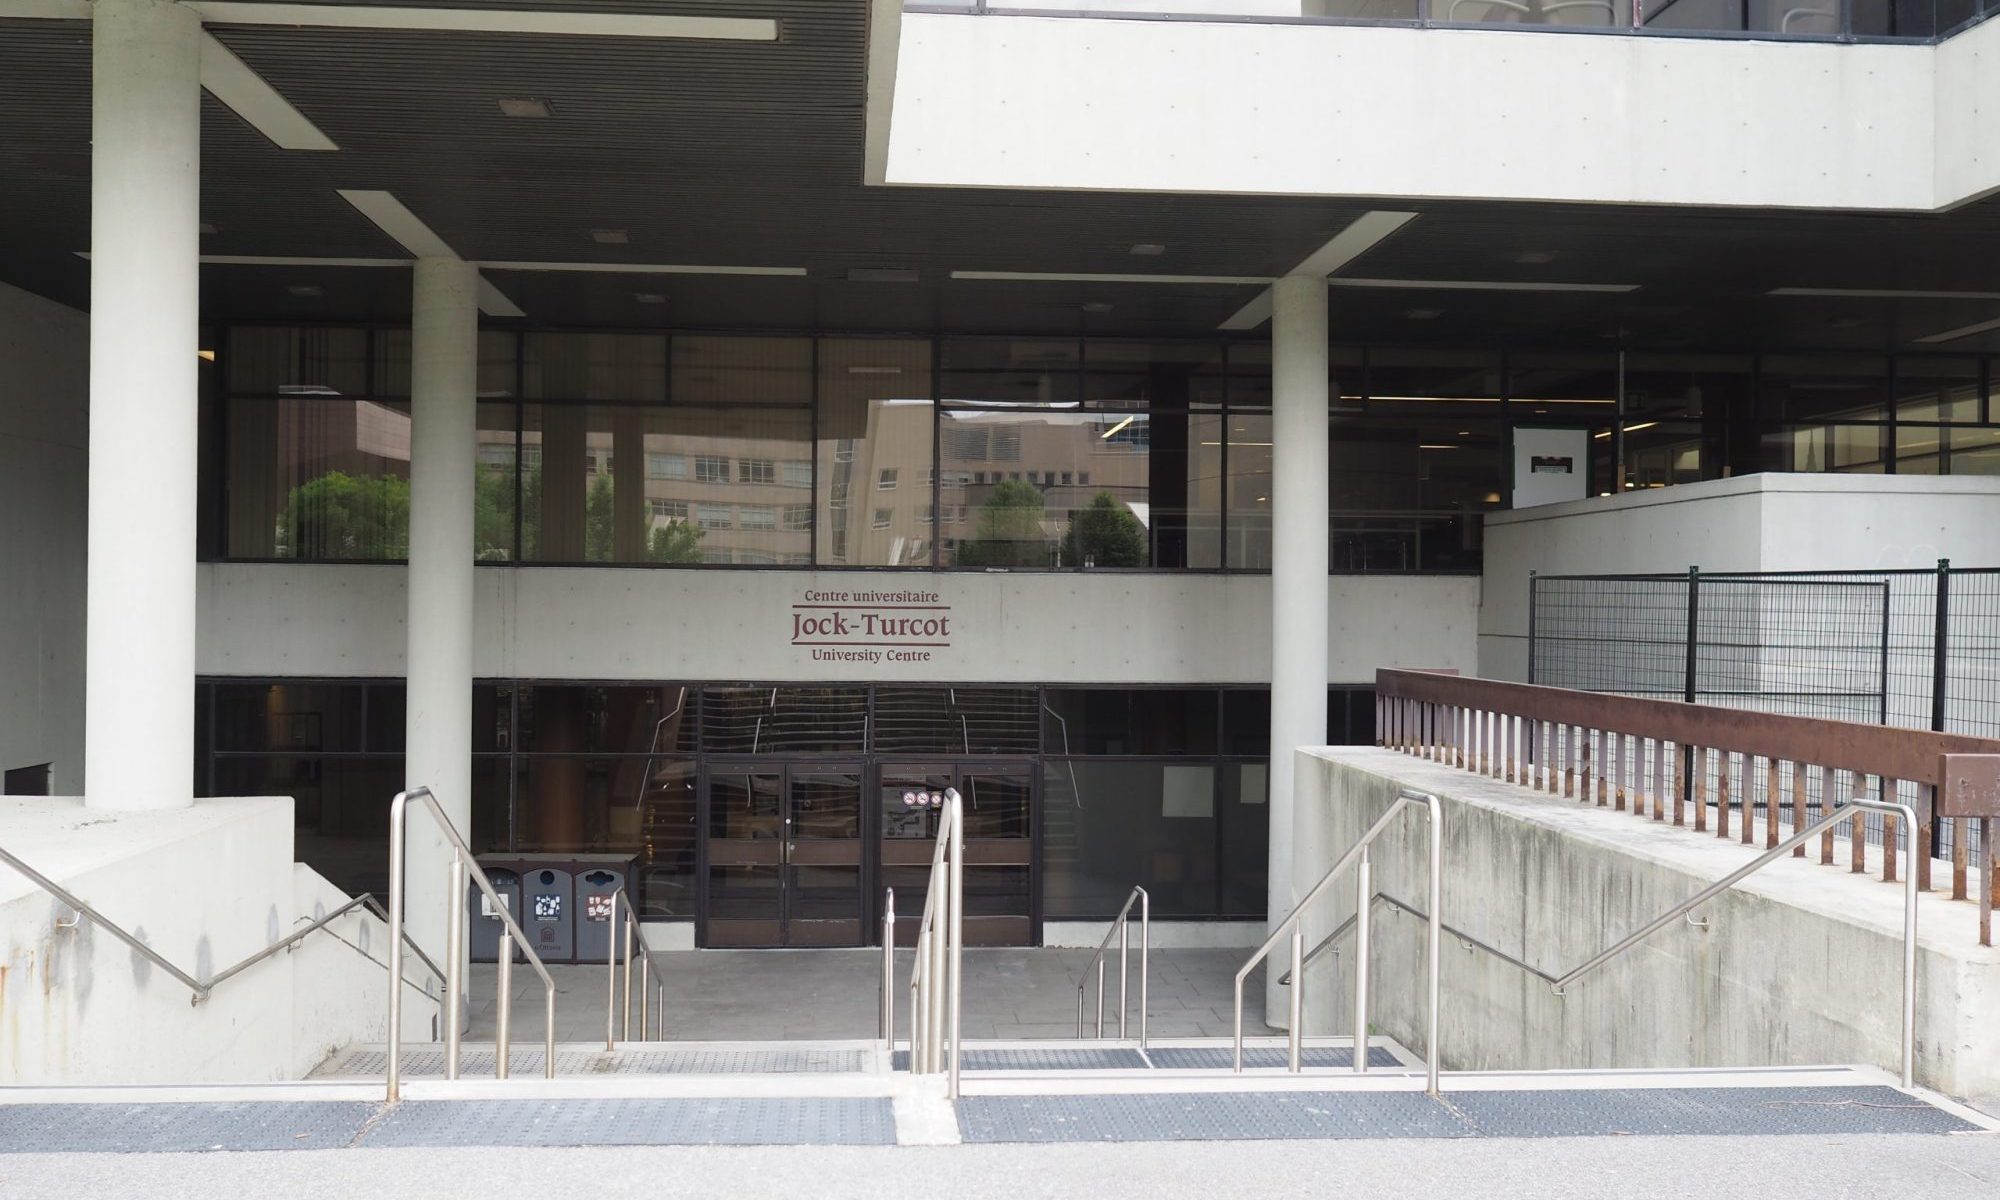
598,878
484,927
548,897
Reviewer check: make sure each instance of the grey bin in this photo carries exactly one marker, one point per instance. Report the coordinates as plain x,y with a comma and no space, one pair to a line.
595,887
549,900
484,927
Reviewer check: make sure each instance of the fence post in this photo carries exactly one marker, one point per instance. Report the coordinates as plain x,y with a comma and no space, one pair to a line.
1940,647
1689,680
1533,587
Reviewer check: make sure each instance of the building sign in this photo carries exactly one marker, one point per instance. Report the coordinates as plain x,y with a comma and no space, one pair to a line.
871,627
1550,465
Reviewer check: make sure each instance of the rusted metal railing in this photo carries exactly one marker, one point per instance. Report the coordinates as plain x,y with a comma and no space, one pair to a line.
1748,774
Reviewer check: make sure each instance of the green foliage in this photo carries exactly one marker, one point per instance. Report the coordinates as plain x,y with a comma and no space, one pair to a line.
493,514
675,542
1105,534
346,516
1010,529
599,522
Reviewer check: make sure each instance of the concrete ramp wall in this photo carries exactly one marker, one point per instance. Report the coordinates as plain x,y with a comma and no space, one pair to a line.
1799,965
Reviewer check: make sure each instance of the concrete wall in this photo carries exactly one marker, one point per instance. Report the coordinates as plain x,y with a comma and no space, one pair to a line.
1106,104
607,623
44,496
206,887
1801,964
1766,522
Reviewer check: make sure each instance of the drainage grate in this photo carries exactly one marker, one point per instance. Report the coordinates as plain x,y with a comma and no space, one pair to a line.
527,1063
143,1128
1222,1058
1710,1111
814,1121
1219,1116
1030,1059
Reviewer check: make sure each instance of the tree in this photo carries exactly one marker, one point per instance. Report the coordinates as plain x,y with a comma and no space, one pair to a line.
1104,534
599,522
675,542
493,514
346,516
1010,529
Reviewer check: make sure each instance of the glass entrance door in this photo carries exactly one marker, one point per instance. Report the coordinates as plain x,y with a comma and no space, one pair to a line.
783,855
999,842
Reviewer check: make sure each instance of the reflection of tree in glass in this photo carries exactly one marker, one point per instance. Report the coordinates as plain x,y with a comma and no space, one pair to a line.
493,513
1010,529
346,516
1105,534
675,541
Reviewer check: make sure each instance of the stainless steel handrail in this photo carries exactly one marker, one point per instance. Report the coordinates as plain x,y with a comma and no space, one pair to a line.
936,992
1293,925
374,906
1121,925
1463,938
462,864
887,1018
649,976
199,991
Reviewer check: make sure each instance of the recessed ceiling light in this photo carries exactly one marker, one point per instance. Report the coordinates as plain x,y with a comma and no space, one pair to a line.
1096,306
609,237
208,227
525,106
1424,314
881,275
305,289
866,369
649,297
1148,249
205,355
1535,258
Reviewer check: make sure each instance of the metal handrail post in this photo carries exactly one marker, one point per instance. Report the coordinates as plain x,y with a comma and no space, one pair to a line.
1295,1043
957,914
503,984
631,933
888,968
1100,997
645,993
1364,881
397,828
611,979
919,1005
1124,946
454,961
1436,809
1145,956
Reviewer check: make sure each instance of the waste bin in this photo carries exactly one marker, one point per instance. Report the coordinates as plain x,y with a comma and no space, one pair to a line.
484,927
596,884
548,899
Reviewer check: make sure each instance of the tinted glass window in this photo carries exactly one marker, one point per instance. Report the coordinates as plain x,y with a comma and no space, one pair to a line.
1130,721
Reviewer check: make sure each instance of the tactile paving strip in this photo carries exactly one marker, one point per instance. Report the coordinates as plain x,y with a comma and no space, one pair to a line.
1222,1058
1710,1111
1030,1059
1240,1116
796,1121
528,1062
137,1128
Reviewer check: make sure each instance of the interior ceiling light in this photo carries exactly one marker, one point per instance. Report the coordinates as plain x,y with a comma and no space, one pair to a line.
882,275
1107,434
1480,285
1881,294
1963,331
1149,249
1424,314
866,369
1535,258
1096,306
610,237
305,289
525,106
649,297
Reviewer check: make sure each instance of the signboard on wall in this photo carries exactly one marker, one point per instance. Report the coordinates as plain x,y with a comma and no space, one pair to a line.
868,626
1550,465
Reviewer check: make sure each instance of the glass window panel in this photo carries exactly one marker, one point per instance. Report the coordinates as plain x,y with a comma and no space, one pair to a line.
578,804
1433,380
907,814
492,717
997,803
826,805
596,718
1157,375
340,810
1246,832
1410,494
387,718
1108,826
296,718
668,839
594,366
736,371
574,509
1571,386
1249,491
496,486
1829,387
1023,372
318,479
1940,388
289,361
1975,452
917,720
775,720
1129,720
745,893
1920,449
745,805
1246,721
498,378
1006,468
1853,448
875,423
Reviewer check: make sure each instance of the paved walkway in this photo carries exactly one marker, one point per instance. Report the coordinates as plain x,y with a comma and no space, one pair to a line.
819,995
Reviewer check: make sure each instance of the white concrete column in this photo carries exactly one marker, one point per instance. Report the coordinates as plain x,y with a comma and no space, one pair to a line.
444,369
1298,555
145,210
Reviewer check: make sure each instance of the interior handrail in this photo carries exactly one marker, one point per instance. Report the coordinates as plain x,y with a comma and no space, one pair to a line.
649,976
462,865
199,991
1292,926
1121,925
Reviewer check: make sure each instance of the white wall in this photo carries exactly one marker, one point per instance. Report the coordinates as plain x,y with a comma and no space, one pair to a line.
205,887
1766,522
44,496
608,623
1418,113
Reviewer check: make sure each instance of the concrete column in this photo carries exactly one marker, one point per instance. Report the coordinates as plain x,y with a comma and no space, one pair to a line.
1298,557
145,193
444,368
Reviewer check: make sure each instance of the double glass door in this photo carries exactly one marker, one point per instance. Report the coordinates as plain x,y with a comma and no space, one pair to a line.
999,845
783,851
